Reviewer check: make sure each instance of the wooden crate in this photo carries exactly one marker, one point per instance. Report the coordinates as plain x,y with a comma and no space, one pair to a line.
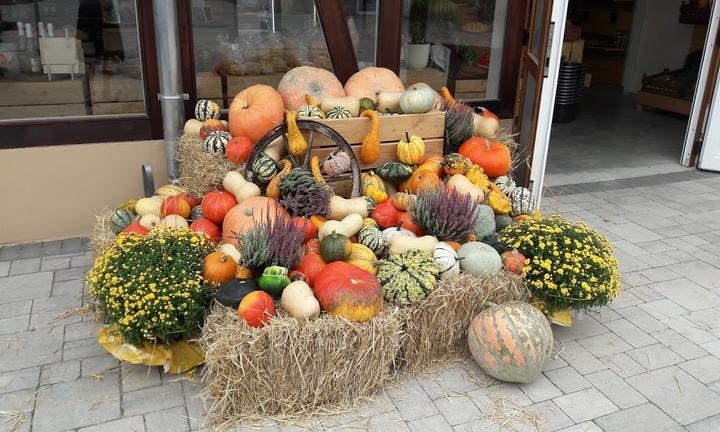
429,126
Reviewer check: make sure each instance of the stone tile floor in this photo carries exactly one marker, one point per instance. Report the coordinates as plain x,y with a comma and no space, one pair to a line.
648,362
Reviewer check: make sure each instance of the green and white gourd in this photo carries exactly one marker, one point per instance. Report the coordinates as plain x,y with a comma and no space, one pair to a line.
206,109
485,224
120,219
522,202
216,141
446,260
408,277
391,232
479,259
505,184
264,168
196,213
373,239
339,112
310,111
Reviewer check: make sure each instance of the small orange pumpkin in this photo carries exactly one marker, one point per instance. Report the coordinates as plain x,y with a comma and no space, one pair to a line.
219,268
434,163
453,244
422,180
513,261
243,273
256,308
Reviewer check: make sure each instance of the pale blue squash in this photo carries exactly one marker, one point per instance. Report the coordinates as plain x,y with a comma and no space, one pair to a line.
485,222
479,259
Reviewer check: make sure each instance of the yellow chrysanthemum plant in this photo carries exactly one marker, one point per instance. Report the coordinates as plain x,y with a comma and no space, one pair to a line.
151,287
568,264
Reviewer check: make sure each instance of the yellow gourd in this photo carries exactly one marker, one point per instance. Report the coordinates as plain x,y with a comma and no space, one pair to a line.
410,149
447,97
402,200
315,169
311,100
369,222
378,195
296,141
272,190
498,201
477,176
401,244
361,256
235,183
370,178
370,147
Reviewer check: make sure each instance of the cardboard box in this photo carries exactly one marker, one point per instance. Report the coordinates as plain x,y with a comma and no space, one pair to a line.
572,51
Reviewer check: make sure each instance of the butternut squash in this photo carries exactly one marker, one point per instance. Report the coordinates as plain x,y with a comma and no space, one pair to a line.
350,103
192,127
276,149
341,207
235,183
231,251
463,185
400,244
349,226
299,302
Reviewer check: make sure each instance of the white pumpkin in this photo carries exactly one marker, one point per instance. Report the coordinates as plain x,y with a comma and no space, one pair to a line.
417,100
397,231
447,260
479,259
389,102
149,221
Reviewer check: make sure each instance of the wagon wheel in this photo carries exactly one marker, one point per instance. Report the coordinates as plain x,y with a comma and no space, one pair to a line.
303,161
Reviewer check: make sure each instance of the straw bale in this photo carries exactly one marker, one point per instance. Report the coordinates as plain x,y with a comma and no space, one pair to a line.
200,170
101,235
435,329
290,369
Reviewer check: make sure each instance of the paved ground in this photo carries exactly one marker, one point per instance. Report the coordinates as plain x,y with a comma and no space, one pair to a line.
649,362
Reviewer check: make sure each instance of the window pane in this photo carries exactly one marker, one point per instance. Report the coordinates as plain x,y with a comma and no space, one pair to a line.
362,24
69,58
537,31
455,44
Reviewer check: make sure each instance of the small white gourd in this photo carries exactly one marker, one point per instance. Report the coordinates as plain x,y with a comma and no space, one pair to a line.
298,300
231,251
447,260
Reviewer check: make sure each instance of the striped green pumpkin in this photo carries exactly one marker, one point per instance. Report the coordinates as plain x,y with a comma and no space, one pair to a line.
511,342
522,202
339,113
216,141
310,111
120,219
264,168
408,277
372,238
206,109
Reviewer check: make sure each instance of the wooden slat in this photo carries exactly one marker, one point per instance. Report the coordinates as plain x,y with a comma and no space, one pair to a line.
388,152
392,128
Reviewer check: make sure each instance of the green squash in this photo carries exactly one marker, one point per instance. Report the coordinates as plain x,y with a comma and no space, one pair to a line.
339,112
494,241
408,277
264,168
367,104
502,222
485,224
274,280
374,239
335,247
231,293
479,259
120,219
395,172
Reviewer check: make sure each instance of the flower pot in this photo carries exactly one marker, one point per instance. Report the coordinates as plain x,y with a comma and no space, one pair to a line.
418,56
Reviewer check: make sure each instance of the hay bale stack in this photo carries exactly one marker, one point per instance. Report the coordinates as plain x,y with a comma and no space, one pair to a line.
101,235
436,328
200,170
289,368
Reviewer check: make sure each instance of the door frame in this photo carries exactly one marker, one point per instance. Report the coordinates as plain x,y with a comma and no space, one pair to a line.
704,90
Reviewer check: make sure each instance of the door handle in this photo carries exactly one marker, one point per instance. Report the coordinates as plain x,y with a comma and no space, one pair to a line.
548,49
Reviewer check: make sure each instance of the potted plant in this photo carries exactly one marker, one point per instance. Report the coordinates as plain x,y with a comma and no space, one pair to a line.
418,52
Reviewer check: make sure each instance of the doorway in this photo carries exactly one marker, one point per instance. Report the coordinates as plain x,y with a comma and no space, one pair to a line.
625,89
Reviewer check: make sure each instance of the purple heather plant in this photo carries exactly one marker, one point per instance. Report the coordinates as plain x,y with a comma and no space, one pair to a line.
445,214
274,240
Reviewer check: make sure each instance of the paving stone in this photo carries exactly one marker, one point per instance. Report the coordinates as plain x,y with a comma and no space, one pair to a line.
54,263
153,399
51,319
70,405
641,319
705,369
411,400
662,309
709,318
678,394
555,362
10,252
82,348
57,303
77,273
642,418
630,248
622,365
51,248
72,245
4,268
679,256
616,389
580,359
678,343
136,377
457,409
81,330
630,333
604,314
634,279
503,391
713,347
540,389
24,266
449,381
436,423
692,331
389,421
14,324
173,419
688,294
31,348
657,273
127,424
581,328
699,272
99,367
605,344
585,405
633,232
647,293
9,310
60,372
567,379
656,246
711,424
19,380
25,287
655,357
583,427
20,402
71,287
553,417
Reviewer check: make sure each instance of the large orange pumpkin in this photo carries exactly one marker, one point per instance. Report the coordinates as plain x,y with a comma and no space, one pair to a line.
246,214
492,156
308,80
370,81
256,308
511,342
255,111
348,291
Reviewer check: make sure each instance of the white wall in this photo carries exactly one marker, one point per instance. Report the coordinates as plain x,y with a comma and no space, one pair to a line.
657,41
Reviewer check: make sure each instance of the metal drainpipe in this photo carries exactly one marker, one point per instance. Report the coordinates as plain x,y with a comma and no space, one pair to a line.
171,95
